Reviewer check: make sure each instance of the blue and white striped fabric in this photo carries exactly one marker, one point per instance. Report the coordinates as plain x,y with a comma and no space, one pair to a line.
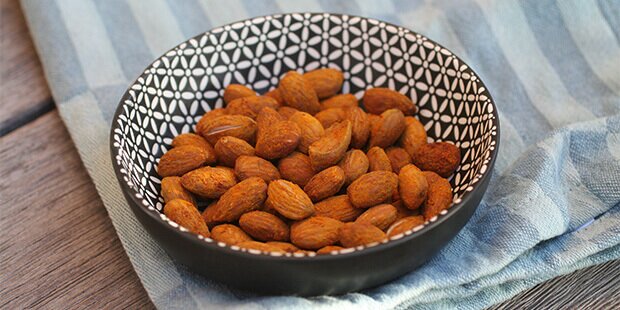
553,205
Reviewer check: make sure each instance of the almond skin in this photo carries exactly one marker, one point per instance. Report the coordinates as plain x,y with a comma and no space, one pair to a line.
238,126
339,208
253,166
171,189
360,126
328,249
330,149
228,149
339,101
331,116
287,112
284,246
315,232
310,128
207,214
381,216
180,160
278,140
372,188
186,215
196,140
398,158
229,234
354,164
260,246
378,100
378,160
246,196
325,183
440,157
326,82
264,226
296,168
388,130
208,117
275,94
236,91
412,186
403,211
414,135
289,200
250,106
209,182
439,195
298,93
405,224
356,234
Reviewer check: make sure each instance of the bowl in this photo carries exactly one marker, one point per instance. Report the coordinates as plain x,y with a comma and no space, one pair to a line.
172,93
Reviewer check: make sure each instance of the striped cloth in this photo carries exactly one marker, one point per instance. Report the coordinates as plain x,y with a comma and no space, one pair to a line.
553,67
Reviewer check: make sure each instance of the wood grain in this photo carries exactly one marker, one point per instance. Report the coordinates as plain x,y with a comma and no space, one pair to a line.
24,95
57,247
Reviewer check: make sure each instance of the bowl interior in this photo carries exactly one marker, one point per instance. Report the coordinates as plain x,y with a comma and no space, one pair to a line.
178,88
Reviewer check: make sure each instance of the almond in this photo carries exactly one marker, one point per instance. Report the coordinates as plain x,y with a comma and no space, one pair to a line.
360,126
339,101
229,234
180,160
388,130
439,195
296,168
236,91
246,196
207,214
171,189
326,82
209,182
325,183
287,112
228,149
405,224
275,94
315,232
372,188
356,234
185,214
339,208
403,211
238,126
331,116
329,249
264,226
196,140
298,93
267,117
208,117
260,246
378,160
330,149
398,158
289,200
284,246
250,106
381,216
278,140
311,129
440,157
378,100
412,186
253,166
414,135
354,164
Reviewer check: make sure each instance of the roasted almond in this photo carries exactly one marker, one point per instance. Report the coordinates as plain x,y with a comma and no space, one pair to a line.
185,214
196,140
278,140
325,183
388,130
378,160
298,93
315,232
412,186
275,94
171,189
355,234
378,100
414,135
310,129
285,246
360,126
246,196
403,211
330,149
236,91
296,168
250,106
228,149
207,214
260,246
381,216
289,200
339,101
253,166
208,117
405,224
264,226
267,117
238,126
329,249
326,81
354,164
180,160
338,207
439,195
372,188
331,116
287,112
229,234
398,157
209,182
440,157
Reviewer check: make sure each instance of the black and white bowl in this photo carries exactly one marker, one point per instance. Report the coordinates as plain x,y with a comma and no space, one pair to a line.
176,89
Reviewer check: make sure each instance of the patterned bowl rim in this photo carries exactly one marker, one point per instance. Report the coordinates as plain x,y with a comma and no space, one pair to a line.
334,255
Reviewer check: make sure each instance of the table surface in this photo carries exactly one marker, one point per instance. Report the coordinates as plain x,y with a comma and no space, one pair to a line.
57,245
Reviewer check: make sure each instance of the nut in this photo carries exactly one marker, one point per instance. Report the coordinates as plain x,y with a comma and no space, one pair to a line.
185,214
414,135
311,129
253,166
250,106
296,168
388,129
412,186
381,216
398,158
378,100
329,249
229,234
208,117
339,208
236,91
278,140
260,246
228,149
298,93
360,126
171,189
246,196
315,232
440,157
330,149
439,195
354,164
325,183
289,200
180,160
238,126
339,101
275,94
196,140
284,246
287,112
372,188
209,182
378,160
326,82
331,116
264,226
355,234
405,224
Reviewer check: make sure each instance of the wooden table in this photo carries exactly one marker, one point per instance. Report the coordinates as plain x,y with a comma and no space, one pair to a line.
58,248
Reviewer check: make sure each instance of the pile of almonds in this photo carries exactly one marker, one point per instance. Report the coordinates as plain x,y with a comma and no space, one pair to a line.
303,168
